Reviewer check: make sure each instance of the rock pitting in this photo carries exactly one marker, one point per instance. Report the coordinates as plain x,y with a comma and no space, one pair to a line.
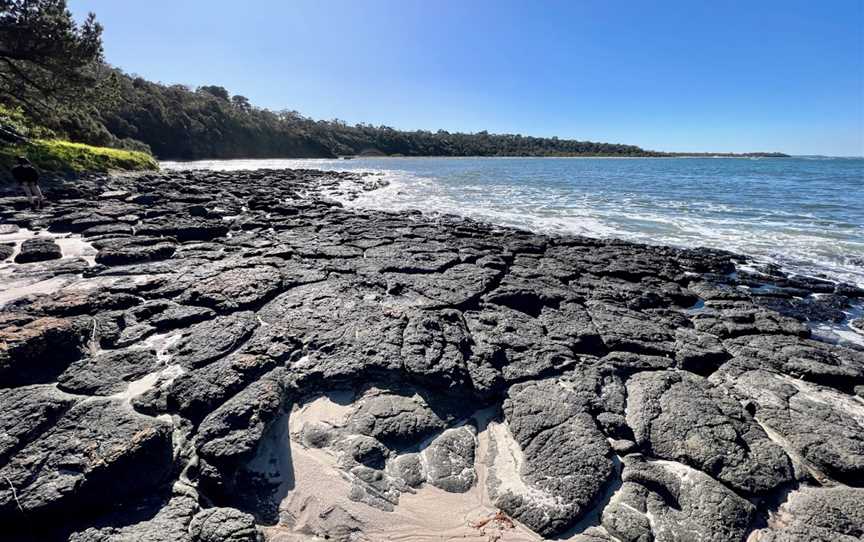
245,359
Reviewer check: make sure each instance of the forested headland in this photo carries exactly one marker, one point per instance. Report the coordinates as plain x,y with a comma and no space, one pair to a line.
55,82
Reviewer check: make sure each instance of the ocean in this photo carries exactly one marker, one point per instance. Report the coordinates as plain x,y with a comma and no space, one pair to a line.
804,213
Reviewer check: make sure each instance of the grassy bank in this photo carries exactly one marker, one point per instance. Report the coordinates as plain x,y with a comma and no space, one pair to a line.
52,155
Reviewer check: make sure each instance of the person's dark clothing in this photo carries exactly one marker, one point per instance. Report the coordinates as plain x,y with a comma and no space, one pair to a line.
25,174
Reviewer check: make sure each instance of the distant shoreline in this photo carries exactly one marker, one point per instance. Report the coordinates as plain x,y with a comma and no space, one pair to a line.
475,157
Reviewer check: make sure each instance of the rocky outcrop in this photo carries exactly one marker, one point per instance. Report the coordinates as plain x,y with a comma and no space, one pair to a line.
236,328
97,453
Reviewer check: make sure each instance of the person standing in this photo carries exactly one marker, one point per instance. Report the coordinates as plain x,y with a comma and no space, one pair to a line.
28,178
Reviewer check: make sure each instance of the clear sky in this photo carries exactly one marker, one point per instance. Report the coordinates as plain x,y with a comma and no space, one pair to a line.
687,75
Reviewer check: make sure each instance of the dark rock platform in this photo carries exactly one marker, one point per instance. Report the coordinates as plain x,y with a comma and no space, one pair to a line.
592,389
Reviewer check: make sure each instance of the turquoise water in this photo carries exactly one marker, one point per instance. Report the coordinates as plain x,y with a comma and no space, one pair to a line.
805,213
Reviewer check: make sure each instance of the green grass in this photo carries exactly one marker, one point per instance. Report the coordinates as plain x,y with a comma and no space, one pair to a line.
66,157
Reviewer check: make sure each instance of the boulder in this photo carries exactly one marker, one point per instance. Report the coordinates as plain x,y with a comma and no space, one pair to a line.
38,249
449,460
224,525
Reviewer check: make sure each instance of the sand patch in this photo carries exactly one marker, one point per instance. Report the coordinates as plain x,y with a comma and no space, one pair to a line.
314,489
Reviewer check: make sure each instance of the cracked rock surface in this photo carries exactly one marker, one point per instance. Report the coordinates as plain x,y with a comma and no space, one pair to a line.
205,356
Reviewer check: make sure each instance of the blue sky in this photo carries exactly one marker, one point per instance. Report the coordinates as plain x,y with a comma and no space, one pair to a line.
668,75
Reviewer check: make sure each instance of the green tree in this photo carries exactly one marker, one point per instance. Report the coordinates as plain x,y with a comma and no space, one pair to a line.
49,65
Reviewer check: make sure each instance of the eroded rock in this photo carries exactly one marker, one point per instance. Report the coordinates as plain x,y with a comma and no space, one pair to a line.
97,453
38,249
565,459
682,417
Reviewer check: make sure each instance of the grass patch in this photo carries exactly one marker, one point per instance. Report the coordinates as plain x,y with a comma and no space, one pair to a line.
65,157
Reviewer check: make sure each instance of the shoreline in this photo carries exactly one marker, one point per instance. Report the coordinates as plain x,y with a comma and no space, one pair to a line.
565,200
218,305
514,157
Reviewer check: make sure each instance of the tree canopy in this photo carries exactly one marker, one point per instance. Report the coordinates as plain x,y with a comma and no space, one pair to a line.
49,65
177,122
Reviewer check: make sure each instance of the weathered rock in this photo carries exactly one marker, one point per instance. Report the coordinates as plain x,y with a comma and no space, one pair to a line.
566,459
632,331
375,488
682,417
224,525
515,345
184,229
208,341
814,361
79,221
229,435
38,249
6,251
107,373
125,251
363,450
97,453
65,303
824,308
27,413
178,316
343,330
116,229
819,426
196,393
835,514
450,460
234,289
628,362
733,319
170,523
37,350
457,286
668,501
409,468
435,347
403,418
594,347
699,353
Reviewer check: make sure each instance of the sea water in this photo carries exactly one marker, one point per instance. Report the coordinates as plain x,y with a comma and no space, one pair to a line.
805,213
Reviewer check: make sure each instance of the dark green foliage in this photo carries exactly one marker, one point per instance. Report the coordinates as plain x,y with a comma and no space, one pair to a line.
49,65
179,123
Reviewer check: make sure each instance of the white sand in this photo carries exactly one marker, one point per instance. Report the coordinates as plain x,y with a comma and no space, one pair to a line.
312,485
